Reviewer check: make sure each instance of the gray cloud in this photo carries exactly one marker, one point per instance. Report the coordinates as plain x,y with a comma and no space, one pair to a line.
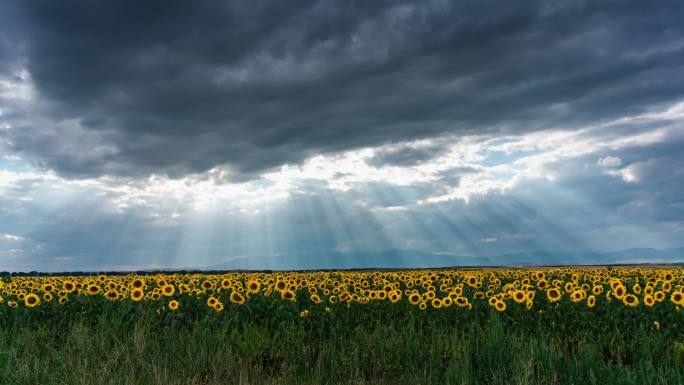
405,155
176,89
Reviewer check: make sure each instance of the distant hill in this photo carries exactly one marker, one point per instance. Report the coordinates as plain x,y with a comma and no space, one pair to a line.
421,259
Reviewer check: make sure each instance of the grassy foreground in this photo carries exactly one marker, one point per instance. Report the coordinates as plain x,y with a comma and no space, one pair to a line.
510,326
375,345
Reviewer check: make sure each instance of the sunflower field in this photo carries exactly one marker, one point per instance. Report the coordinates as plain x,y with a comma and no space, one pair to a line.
468,326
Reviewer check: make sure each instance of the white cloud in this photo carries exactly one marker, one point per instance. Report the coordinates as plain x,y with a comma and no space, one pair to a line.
609,162
10,237
12,253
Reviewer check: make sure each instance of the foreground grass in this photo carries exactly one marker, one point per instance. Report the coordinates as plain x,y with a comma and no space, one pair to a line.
101,343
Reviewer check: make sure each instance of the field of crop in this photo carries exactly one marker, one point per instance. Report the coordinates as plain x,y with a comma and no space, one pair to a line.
487,326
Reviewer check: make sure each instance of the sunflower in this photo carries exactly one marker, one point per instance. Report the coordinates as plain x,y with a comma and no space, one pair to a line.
447,301
63,300
207,285
212,301
659,296
93,289
291,296
528,304
630,300
619,291
553,294
500,306
174,305
253,286
47,297
316,299
436,303
112,295
677,298
578,295
31,300
422,306
69,286
237,298
667,286
414,298
168,290
569,287
519,296
137,294
137,283
12,304
462,301
648,300
591,301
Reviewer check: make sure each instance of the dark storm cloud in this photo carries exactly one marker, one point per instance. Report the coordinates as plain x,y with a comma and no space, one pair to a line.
169,87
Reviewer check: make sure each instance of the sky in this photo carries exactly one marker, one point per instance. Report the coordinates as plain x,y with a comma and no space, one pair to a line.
173,134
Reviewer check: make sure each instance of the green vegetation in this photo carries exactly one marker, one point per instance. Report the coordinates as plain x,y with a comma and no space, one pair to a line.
93,341
486,326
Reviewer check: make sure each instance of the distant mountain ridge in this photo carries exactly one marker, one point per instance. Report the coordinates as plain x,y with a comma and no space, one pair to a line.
400,258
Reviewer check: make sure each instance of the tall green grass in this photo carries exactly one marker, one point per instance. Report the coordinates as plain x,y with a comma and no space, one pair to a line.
96,342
